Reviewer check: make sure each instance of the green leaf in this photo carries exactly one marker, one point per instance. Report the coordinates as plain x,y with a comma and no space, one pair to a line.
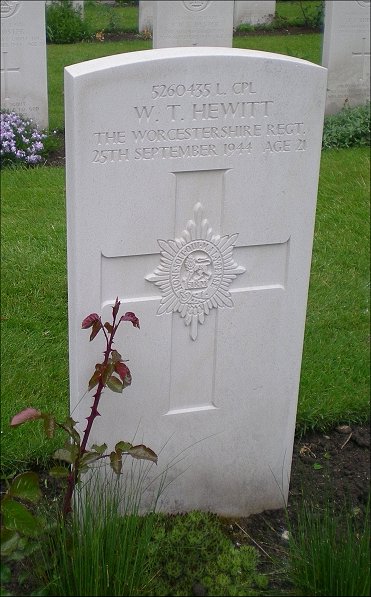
69,426
123,446
58,472
108,370
317,466
143,453
100,449
94,380
115,356
88,458
116,462
26,486
9,541
64,454
49,425
108,327
5,573
40,592
16,517
114,384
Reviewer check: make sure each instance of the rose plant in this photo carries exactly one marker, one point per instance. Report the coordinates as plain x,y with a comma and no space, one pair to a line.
112,373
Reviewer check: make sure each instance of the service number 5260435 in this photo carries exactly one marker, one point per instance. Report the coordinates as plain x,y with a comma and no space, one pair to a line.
179,90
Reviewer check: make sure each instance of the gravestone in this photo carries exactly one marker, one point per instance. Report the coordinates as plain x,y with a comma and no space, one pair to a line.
192,200
145,15
192,23
346,53
253,13
23,60
77,5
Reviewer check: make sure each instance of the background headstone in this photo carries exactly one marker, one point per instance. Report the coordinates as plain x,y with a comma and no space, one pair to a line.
346,53
192,23
77,5
192,199
145,15
23,59
253,12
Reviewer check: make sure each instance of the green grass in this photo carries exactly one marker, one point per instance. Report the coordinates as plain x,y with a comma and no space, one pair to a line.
103,17
296,14
307,47
103,548
62,55
335,373
304,46
329,552
100,17
335,368
34,367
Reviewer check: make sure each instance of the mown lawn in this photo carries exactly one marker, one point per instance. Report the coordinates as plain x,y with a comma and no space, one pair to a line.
335,373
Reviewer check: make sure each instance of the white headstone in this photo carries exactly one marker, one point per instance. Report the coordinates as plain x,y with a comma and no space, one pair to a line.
78,5
192,199
192,23
145,15
253,12
346,53
23,59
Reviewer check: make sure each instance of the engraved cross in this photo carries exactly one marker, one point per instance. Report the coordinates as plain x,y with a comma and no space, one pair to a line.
363,54
192,279
4,71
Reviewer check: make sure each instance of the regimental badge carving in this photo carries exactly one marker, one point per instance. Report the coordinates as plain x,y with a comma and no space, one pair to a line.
195,5
9,7
195,272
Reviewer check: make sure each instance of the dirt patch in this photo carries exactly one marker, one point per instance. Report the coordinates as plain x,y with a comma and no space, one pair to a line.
335,464
331,466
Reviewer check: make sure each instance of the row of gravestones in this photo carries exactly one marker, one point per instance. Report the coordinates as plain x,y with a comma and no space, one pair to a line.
253,12
191,185
346,45
23,58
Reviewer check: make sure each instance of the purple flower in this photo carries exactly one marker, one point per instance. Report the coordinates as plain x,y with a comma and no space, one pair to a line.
20,140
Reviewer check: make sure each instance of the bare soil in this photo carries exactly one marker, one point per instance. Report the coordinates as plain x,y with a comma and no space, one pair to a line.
334,464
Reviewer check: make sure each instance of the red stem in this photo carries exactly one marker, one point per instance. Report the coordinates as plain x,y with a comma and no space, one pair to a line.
73,476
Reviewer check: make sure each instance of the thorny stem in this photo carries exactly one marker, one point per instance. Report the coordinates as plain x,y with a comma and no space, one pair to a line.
73,476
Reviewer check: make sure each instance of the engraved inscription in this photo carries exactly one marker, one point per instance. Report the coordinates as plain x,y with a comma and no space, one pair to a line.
196,120
195,272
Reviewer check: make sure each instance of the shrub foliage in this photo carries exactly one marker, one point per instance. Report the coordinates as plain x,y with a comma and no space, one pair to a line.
349,128
64,24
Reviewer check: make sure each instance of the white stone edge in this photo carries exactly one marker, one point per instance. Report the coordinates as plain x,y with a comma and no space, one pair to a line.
142,56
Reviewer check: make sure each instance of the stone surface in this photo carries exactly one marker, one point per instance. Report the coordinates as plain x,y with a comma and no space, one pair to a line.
23,59
192,199
145,15
253,12
76,4
192,23
346,53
